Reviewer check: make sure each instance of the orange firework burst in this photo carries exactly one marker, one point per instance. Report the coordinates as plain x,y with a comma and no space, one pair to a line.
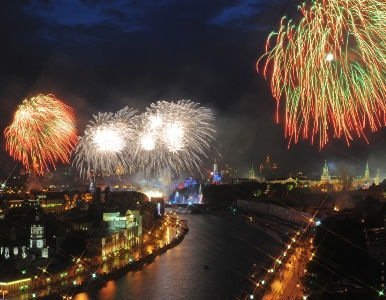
42,133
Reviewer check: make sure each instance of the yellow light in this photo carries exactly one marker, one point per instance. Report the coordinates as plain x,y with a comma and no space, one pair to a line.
15,282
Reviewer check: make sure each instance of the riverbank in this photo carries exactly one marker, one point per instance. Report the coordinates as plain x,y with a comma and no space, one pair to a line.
92,277
99,280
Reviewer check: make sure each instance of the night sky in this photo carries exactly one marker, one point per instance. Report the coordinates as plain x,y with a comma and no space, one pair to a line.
103,55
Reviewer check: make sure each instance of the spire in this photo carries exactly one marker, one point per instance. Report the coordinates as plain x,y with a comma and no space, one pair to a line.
200,196
377,179
252,174
367,172
325,173
215,167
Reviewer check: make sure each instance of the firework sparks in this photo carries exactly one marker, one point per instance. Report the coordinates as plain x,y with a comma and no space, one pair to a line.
42,133
330,69
106,146
173,135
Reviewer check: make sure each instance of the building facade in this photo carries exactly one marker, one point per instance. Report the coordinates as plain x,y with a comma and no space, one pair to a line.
123,233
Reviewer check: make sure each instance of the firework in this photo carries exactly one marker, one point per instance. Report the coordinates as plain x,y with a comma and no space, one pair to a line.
329,68
106,146
42,133
173,135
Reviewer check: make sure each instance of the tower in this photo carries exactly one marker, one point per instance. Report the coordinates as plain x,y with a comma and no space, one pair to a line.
252,174
325,173
377,179
367,172
200,194
268,168
216,176
37,238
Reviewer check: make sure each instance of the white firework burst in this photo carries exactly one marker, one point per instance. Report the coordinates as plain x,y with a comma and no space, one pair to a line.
106,146
173,135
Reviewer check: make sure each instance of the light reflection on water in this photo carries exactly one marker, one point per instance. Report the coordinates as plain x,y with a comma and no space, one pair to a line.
108,291
226,245
81,296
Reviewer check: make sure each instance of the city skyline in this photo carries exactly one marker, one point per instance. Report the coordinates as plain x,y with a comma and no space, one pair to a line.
193,149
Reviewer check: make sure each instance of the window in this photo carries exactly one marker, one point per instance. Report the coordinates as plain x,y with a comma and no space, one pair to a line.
39,243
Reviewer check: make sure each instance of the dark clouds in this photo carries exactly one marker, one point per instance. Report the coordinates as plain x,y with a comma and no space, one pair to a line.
102,55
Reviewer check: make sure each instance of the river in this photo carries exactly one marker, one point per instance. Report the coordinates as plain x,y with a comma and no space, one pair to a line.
225,244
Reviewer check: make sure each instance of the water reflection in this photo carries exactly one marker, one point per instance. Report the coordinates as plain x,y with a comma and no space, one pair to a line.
108,291
82,296
226,245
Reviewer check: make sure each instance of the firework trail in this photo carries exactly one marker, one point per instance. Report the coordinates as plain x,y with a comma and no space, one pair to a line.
174,136
330,70
106,146
42,133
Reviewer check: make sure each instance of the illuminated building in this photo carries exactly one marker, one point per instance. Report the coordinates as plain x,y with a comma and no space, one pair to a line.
87,197
153,194
52,202
38,239
325,177
123,233
13,287
330,183
251,173
268,168
377,179
215,174
115,221
364,182
366,177
12,201
82,226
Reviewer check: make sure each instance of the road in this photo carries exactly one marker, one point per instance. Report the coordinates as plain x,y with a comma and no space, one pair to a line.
287,282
